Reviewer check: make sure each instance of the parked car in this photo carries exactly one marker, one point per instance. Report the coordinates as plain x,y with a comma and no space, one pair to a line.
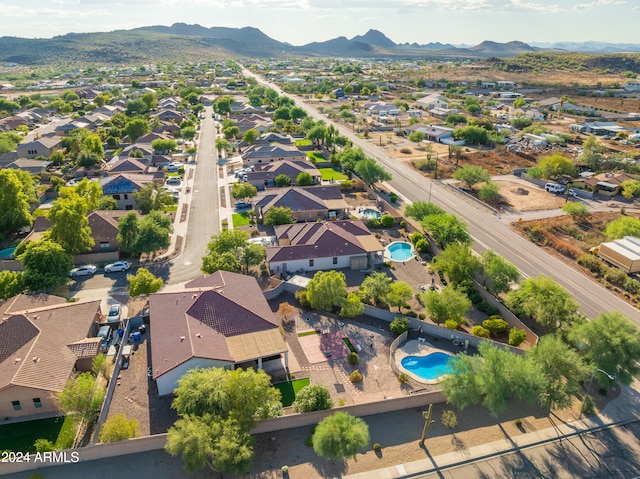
117,267
84,270
555,188
174,181
114,313
243,205
573,192
173,167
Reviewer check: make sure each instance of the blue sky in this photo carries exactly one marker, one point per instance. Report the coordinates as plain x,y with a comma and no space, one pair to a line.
302,21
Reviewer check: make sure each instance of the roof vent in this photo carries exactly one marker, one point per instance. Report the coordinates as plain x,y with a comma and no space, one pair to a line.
17,360
35,316
198,335
36,359
182,338
194,296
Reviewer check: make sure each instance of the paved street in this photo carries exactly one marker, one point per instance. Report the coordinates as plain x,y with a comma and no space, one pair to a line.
487,229
611,453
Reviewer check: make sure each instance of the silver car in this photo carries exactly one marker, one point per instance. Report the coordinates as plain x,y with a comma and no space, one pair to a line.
117,267
84,270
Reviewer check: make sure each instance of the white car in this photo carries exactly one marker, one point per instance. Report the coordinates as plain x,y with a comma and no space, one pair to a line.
84,270
117,267
174,181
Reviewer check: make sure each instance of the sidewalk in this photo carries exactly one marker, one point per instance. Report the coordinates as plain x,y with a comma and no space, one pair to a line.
624,409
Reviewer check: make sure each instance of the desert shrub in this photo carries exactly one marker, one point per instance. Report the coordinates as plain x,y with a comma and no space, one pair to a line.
411,314
588,406
475,298
393,197
632,285
387,221
487,308
591,262
495,325
403,378
479,331
449,419
517,336
451,324
302,298
565,248
422,316
415,237
403,224
615,276
425,164
376,447
355,377
309,441
374,223
353,358
422,245
405,150
399,325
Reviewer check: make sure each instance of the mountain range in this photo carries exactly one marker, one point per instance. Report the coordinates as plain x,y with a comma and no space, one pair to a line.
184,42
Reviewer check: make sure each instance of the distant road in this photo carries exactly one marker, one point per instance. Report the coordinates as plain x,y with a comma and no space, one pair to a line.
487,229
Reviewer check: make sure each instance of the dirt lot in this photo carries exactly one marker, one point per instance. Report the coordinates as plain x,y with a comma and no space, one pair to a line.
522,197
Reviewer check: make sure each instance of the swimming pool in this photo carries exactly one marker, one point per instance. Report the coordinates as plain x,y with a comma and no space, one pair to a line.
370,214
7,253
400,251
430,367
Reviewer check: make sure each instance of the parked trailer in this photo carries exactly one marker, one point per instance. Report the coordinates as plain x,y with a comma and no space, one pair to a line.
623,253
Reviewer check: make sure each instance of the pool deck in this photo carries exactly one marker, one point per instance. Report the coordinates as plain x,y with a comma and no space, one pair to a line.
417,348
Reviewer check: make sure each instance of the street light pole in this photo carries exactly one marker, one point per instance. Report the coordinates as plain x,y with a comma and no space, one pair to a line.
613,378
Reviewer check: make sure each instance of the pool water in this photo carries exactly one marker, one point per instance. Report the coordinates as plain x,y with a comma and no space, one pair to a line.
370,214
400,251
432,366
7,253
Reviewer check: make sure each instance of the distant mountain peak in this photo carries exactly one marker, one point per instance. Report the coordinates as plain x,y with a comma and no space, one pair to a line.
375,37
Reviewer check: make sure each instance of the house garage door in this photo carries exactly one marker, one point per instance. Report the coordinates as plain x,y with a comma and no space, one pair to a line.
358,262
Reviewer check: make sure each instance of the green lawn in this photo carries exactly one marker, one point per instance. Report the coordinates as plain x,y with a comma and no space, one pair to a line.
290,389
307,333
174,173
20,436
241,219
303,142
329,174
315,157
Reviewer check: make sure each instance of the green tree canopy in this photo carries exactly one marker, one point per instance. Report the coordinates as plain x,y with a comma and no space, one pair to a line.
11,284
119,428
631,189
578,211
458,262
250,136
70,225
417,136
313,397
450,303
14,203
339,436
471,134
555,166
222,144
152,197
279,215
545,301
327,289
128,228
243,190
136,128
46,265
304,179
591,154
282,180
498,272
370,171
420,209
153,233
472,174
143,283
351,306
374,288
399,294
81,396
625,226
610,343
230,251
446,229
164,146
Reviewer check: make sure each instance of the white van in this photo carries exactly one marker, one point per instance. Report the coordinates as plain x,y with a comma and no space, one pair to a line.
555,188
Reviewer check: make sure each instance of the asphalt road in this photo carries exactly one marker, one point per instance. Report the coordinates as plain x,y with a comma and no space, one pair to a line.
486,228
611,453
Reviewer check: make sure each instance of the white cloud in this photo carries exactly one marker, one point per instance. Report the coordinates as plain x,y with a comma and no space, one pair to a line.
598,3
12,11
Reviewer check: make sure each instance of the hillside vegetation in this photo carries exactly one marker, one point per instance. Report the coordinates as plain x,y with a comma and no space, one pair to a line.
537,62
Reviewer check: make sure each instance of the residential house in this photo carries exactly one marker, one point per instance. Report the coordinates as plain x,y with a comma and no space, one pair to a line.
606,184
436,133
241,108
632,86
256,122
171,115
122,187
324,246
262,154
12,122
104,231
127,165
31,166
381,109
433,100
309,203
264,175
42,340
43,146
220,320
149,137
146,151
